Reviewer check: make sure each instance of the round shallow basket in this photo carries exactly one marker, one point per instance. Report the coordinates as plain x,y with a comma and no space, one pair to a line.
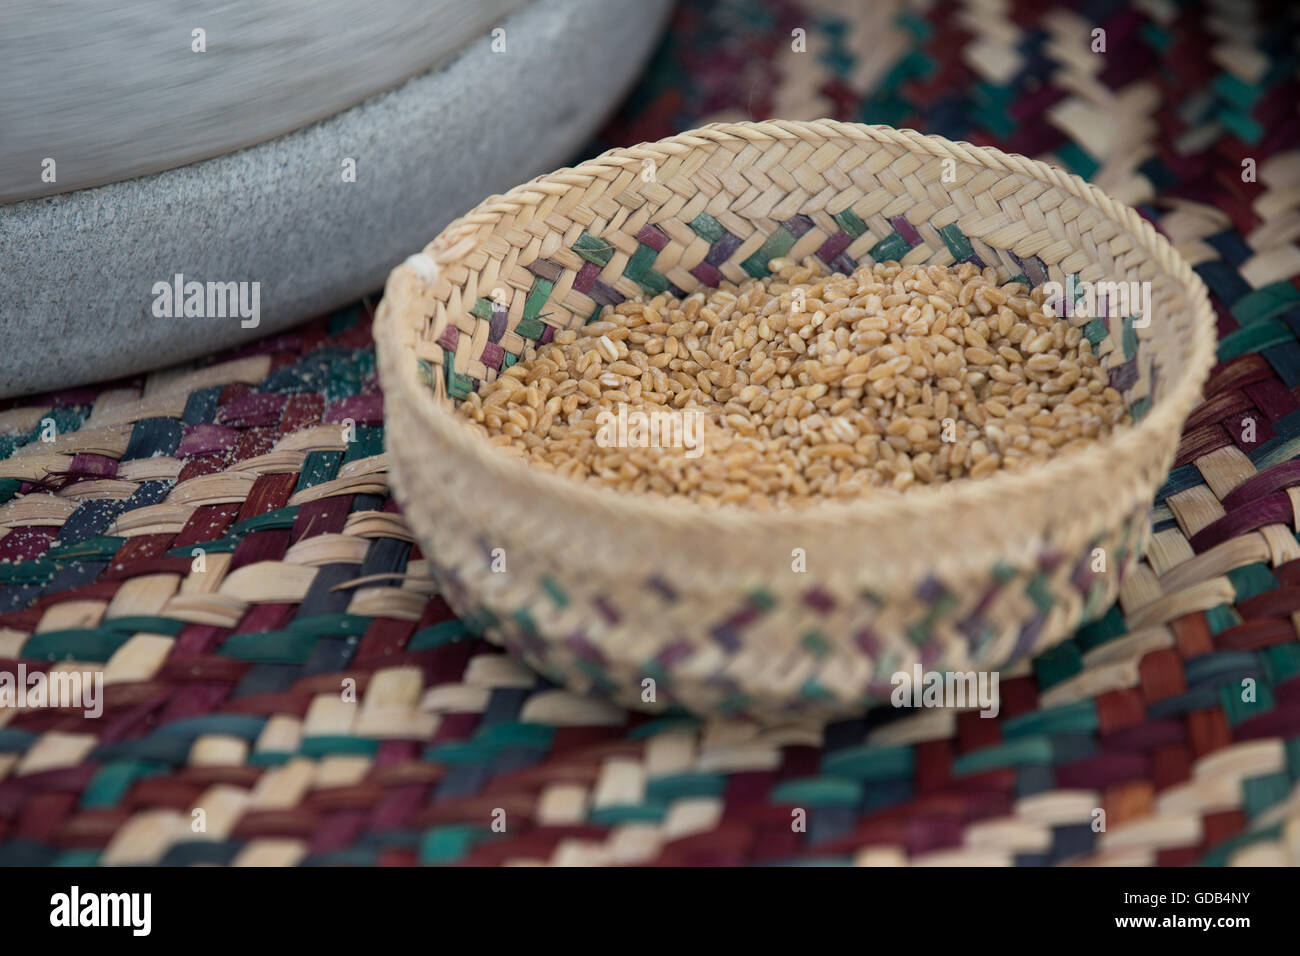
659,603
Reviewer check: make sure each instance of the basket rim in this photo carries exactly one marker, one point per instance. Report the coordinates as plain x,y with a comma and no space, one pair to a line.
1122,452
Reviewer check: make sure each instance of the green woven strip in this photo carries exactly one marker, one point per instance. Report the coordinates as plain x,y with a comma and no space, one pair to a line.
444,632
458,385
1040,592
112,781
1077,160
281,518
8,486
1237,91
1129,338
1260,793
465,753
318,467
1265,303
537,297
1250,580
890,248
1013,753
818,792
425,368
956,242
1242,125
554,591
1076,718
1220,618
1281,662
684,785
28,571
369,439
1058,664
1237,710
870,763
76,644
482,308
146,623
92,549
1254,338
850,222
621,815
594,250
13,740
449,844
776,246
215,546
245,726
1106,628
512,735
339,745
331,625
639,270
278,647
708,228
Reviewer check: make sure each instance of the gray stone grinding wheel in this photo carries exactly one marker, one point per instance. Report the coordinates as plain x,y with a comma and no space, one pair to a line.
507,97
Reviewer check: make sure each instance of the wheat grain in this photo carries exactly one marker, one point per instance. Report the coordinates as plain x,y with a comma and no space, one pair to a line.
810,386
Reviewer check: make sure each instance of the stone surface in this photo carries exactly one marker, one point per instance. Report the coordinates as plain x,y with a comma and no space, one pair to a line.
76,290
112,91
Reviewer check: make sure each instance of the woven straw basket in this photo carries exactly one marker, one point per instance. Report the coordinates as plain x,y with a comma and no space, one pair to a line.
602,591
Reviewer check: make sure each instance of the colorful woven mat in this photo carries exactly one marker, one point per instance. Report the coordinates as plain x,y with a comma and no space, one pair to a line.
282,687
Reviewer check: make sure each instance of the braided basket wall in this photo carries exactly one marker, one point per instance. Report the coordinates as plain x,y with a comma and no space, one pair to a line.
602,591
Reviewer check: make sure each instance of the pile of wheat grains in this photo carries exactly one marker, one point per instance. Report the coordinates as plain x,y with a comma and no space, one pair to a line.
808,386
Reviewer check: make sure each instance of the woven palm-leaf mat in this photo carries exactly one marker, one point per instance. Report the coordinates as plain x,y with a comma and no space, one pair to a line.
219,542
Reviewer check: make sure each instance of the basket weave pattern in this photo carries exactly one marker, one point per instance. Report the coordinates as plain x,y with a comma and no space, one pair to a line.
603,590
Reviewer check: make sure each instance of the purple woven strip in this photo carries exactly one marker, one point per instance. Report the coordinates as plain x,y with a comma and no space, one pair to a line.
868,641
1028,639
1124,376
1097,773
583,648
367,409
604,295
842,263
722,250
548,333
88,464
931,589
707,274
971,627
253,410
833,246
205,439
905,230
674,654
493,355
1035,270
586,276
798,224
819,600
728,637
931,653
1277,478
449,338
498,323
607,611
548,270
1275,509
653,237
1273,398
